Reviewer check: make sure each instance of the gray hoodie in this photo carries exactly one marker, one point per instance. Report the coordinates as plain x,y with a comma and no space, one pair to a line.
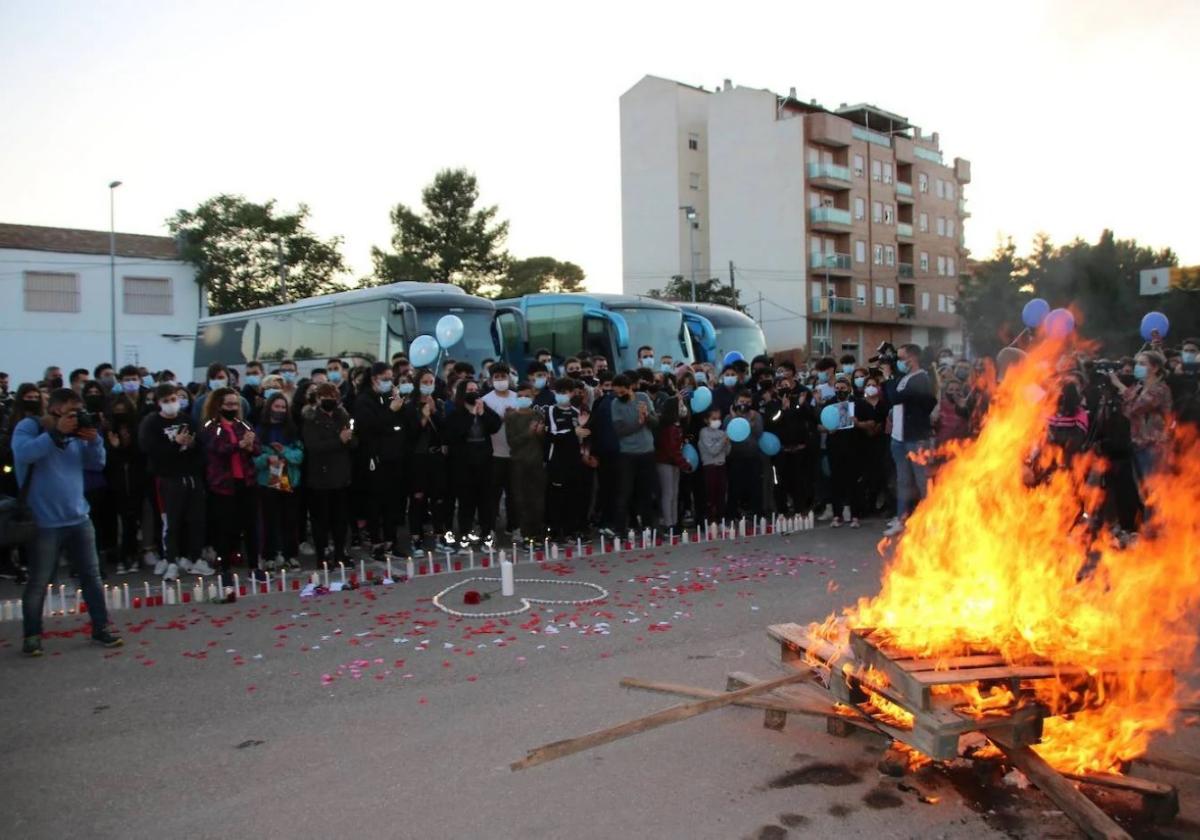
714,446
634,438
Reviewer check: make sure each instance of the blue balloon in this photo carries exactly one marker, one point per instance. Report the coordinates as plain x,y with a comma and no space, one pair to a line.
738,429
1155,322
691,456
769,444
731,357
449,330
423,351
1059,323
830,417
1034,313
701,399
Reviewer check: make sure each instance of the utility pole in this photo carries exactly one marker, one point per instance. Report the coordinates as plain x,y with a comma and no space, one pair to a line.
733,285
112,268
282,270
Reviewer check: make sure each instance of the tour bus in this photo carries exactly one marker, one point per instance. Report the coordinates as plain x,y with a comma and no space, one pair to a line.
731,330
607,324
359,326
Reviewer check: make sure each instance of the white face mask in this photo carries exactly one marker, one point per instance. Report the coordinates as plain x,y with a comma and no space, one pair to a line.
169,409
714,424
500,385
871,390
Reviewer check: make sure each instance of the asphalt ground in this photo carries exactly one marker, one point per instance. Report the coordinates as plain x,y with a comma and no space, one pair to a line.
372,714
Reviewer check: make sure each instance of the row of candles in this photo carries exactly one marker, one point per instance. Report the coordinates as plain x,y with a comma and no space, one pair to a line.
172,594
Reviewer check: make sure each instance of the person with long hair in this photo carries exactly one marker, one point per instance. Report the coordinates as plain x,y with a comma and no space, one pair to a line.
125,473
1147,405
230,447
380,425
469,430
425,418
328,440
278,466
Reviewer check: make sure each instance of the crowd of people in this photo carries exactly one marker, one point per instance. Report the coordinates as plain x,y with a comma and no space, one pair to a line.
261,467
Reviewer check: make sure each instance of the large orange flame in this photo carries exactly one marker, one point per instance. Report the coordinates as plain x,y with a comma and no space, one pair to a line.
989,561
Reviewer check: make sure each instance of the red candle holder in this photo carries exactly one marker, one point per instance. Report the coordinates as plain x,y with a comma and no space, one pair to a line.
458,565
137,604
187,597
485,562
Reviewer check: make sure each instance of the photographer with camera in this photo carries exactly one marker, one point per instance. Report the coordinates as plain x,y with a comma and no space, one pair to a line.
913,396
50,455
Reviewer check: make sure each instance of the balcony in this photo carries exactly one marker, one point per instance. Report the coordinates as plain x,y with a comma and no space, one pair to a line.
829,175
832,219
831,263
904,192
908,311
906,270
904,230
835,305
962,208
828,130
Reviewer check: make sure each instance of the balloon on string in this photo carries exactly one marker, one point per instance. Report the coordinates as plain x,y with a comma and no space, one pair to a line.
701,399
691,456
423,351
731,357
1034,313
738,429
1059,323
1154,322
449,331
831,418
769,444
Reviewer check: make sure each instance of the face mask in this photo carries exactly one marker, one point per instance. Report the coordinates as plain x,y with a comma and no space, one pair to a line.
902,366
169,409
843,396
335,376
426,390
1189,358
701,377
823,377
665,367
858,381
55,382
714,424
95,402
524,402
384,386
278,416
328,406
729,381
962,375
741,408
148,381
253,380
214,384
270,392
539,382
562,399
647,361
871,391
288,375
183,403
624,397
108,382
129,386
500,384
405,388
1140,372
471,397
847,369
229,413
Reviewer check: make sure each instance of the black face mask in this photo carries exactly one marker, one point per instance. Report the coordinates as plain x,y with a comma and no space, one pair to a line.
229,413
55,382
328,406
625,397
741,408
843,396
278,416
94,402
471,398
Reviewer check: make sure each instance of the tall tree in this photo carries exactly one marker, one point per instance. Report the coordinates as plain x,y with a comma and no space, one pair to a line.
451,241
239,248
541,274
990,300
711,290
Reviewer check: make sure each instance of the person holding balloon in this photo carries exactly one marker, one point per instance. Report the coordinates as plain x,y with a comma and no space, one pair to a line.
792,420
744,464
714,447
669,457
424,422
380,424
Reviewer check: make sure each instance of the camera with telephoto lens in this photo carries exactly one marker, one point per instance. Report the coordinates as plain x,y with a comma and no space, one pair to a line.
86,420
1102,367
885,354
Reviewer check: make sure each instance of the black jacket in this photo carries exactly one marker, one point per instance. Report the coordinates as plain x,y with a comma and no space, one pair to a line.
380,430
156,438
919,402
470,445
326,458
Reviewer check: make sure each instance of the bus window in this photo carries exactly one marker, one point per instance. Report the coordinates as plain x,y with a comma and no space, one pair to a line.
220,342
311,332
597,340
662,329
476,344
268,337
556,327
508,327
358,330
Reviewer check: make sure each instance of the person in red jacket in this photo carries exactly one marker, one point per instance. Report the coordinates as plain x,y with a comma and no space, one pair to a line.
668,457
230,447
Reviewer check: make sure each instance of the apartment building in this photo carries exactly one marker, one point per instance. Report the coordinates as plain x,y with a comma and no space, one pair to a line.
844,227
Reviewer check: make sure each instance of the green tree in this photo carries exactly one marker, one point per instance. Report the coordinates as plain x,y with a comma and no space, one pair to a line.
451,241
990,301
541,274
238,247
711,290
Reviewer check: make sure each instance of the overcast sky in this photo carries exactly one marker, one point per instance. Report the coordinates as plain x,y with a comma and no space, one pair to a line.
1075,115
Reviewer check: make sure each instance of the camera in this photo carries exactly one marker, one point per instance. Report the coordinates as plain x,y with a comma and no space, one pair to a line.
885,354
1102,367
86,420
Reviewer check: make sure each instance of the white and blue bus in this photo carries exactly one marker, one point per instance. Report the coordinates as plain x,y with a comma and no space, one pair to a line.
723,329
359,326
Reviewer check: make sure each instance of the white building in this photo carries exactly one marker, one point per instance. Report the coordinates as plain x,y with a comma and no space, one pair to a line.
841,228
55,302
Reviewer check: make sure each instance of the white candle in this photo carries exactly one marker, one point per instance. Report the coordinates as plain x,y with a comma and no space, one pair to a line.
146,596
197,593
212,592
268,583
164,591
410,572
654,537
314,578
170,599
48,609
62,598
325,566
579,546
342,571
502,560
178,591
78,593
470,560
507,585
389,567
554,551
362,572
124,588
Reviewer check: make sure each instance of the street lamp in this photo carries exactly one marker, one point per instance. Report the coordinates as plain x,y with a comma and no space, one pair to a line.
689,213
112,266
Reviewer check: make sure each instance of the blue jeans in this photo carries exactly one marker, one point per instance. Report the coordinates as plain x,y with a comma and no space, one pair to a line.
78,542
910,476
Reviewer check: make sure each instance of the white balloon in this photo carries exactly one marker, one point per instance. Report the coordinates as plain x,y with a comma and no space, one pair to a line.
423,351
449,331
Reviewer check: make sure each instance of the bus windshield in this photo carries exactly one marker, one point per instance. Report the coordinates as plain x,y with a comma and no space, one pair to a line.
662,329
746,340
475,345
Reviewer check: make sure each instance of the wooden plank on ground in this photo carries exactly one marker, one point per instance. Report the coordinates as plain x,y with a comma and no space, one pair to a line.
1166,759
1082,811
1160,801
559,749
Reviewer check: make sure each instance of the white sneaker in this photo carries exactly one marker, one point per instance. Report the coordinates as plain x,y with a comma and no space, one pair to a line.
185,564
171,574
893,530
894,521
208,553
160,567
307,548
122,569
293,563
826,514
201,568
854,523
847,514
150,559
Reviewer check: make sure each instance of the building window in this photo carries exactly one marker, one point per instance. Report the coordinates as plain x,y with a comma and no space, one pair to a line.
924,261
860,208
950,305
889,214
878,254
860,251
889,255
891,297
941,188
950,267
922,182
51,291
887,173
941,303
941,264
147,296
923,223
879,295
694,180
950,190
693,141
858,166
862,294
925,301
941,226
877,211
950,228
876,170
